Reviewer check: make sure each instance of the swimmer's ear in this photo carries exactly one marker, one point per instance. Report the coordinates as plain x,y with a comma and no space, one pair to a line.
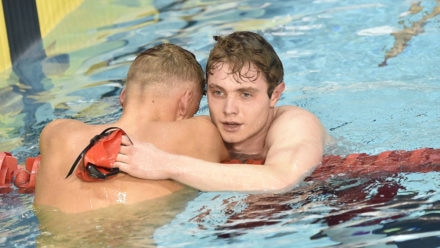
276,94
122,97
183,105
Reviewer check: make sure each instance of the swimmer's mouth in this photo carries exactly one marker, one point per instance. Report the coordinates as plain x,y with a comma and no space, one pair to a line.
231,126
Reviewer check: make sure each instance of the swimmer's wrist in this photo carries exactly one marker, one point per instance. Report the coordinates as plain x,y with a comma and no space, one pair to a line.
170,167
175,167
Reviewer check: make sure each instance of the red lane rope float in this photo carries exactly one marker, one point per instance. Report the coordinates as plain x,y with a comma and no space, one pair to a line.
361,164
8,164
25,178
22,177
353,165
358,164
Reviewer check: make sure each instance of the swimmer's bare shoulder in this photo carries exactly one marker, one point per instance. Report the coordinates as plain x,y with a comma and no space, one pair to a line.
59,133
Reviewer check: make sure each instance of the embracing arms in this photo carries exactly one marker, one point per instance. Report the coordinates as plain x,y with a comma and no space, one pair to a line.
295,144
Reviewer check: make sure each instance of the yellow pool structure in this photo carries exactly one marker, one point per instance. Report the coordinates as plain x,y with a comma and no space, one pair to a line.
49,15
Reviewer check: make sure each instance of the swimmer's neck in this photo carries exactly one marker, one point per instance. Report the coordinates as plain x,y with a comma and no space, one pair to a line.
244,157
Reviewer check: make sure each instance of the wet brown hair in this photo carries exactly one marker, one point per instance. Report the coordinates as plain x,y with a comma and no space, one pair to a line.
244,48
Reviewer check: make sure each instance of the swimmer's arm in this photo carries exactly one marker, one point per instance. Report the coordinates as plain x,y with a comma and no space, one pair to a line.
52,144
291,156
296,143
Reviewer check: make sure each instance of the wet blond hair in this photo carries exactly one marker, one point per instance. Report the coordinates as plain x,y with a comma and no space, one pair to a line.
165,63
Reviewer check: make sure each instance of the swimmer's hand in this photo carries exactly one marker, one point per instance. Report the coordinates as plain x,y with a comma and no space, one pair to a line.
142,160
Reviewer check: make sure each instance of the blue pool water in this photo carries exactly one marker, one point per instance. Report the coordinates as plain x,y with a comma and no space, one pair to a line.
331,51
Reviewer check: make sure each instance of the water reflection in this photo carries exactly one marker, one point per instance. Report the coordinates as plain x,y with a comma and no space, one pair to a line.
370,211
331,50
116,226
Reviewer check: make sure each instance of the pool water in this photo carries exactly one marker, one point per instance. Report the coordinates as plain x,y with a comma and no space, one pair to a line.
368,69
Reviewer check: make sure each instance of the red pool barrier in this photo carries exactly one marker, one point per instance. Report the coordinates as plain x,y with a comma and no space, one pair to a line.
353,165
8,164
22,177
359,164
